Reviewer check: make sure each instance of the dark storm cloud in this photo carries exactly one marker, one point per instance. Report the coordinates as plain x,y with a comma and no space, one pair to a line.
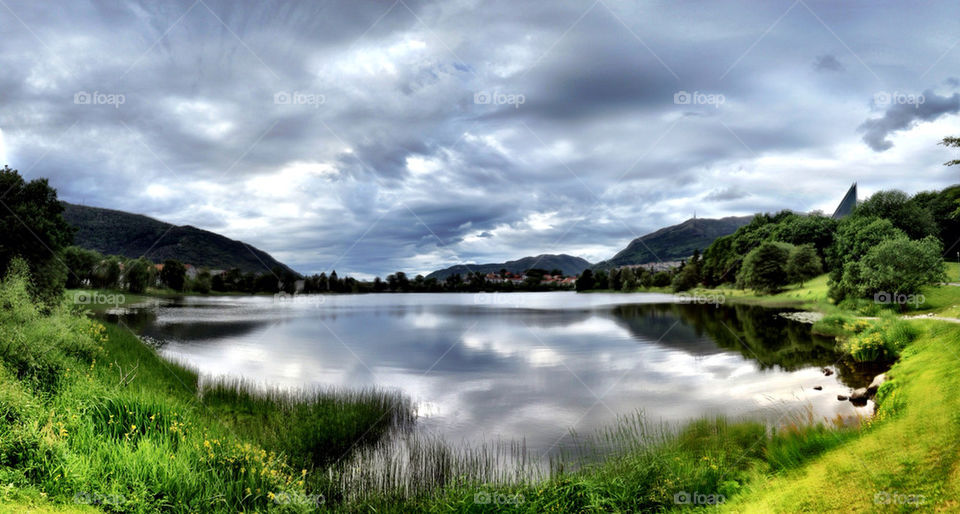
903,110
377,136
827,62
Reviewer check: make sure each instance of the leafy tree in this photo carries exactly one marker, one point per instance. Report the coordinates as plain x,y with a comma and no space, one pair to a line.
203,282
628,279
615,279
765,268
32,227
896,267
173,274
689,275
803,264
601,280
585,281
815,229
903,211
661,279
855,236
81,263
139,273
106,274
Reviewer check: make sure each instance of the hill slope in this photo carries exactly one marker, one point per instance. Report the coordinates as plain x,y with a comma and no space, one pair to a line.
675,242
569,264
134,235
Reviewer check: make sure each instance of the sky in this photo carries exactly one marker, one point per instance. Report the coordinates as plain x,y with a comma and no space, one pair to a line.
370,137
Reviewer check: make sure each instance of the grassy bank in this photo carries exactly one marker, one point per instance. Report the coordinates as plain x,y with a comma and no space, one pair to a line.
89,416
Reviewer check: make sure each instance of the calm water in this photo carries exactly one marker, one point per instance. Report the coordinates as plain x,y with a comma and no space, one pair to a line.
518,366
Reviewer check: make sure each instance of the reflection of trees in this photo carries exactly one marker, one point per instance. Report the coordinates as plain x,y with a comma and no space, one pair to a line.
757,333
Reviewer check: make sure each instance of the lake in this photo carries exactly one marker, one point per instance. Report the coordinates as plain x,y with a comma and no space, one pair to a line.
519,366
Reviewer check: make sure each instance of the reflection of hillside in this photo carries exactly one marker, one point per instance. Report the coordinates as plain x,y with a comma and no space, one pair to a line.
143,322
757,333
534,318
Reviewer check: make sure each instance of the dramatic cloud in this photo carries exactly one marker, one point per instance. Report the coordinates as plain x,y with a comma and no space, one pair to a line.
827,63
903,111
371,137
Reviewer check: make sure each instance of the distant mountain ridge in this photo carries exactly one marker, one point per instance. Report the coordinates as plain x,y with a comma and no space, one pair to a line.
131,235
568,264
675,242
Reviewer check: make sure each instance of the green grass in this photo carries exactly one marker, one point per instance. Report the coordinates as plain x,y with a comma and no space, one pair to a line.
90,416
912,446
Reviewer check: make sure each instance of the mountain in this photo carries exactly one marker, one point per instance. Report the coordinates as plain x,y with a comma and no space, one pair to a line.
133,235
569,264
675,242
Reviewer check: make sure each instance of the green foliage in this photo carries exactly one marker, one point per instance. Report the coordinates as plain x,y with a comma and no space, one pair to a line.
585,281
803,264
32,227
139,275
689,276
173,274
894,269
81,264
765,268
903,211
878,340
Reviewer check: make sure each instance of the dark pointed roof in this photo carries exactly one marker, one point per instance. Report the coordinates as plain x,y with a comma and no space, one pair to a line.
848,203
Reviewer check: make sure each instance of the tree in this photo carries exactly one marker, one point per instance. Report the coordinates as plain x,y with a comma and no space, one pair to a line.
139,273
689,276
896,267
81,263
803,264
660,279
173,274
106,274
628,279
855,236
32,227
765,268
585,280
905,213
